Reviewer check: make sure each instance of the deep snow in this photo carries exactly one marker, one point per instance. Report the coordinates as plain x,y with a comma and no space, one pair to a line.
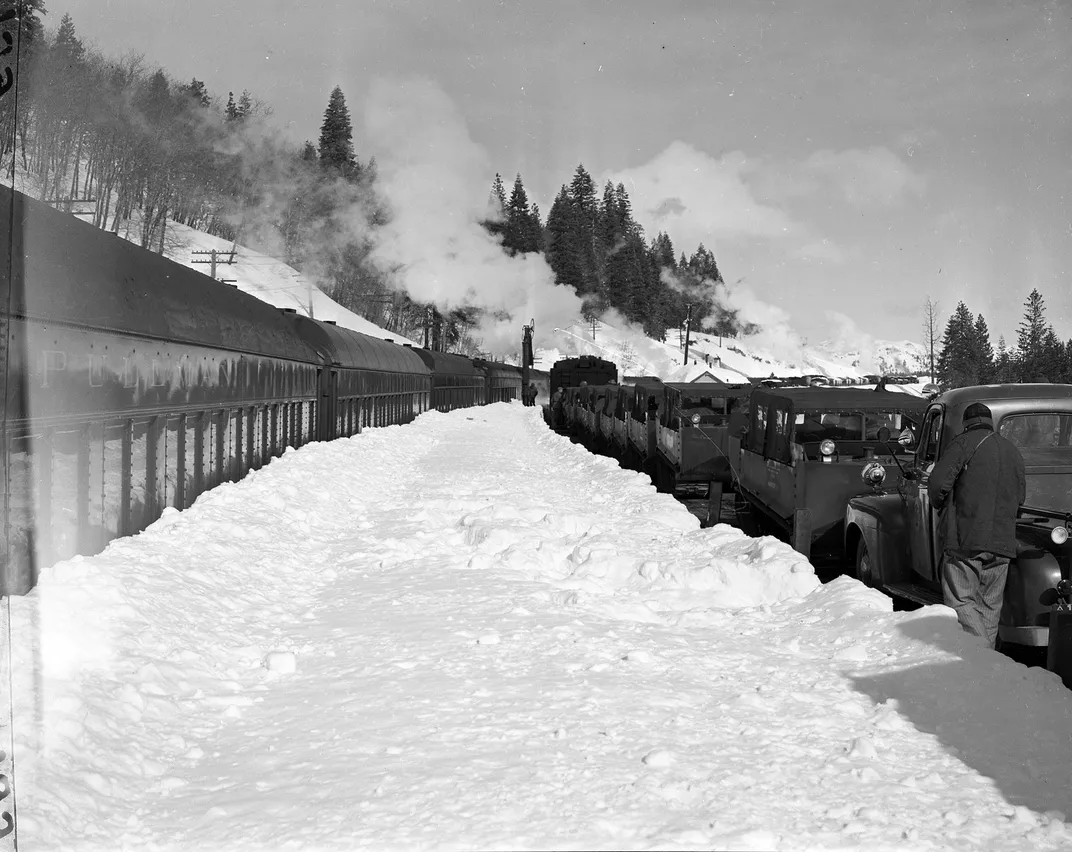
469,633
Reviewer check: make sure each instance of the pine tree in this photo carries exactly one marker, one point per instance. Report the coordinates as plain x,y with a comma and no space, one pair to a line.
561,256
1031,337
956,361
494,221
196,92
536,237
69,48
982,352
245,105
517,237
582,195
336,137
1004,366
1053,356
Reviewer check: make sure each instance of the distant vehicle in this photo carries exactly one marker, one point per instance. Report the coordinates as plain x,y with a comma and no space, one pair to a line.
894,533
804,451
692,445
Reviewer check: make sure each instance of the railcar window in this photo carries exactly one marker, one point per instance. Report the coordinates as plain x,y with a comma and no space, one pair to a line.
172,437
1038,430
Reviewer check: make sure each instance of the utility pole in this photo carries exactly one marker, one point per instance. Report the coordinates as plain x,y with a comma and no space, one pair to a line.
688,331
214,257
594,321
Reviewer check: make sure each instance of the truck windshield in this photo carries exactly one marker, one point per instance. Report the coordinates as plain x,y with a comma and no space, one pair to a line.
849,425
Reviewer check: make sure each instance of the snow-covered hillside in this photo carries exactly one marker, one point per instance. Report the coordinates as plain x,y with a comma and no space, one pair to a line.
726,358
268,279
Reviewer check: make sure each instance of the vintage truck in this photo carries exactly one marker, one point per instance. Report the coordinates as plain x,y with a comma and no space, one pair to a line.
692,432
894,534
802,456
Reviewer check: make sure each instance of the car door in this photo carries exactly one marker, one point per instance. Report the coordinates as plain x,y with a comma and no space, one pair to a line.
921,520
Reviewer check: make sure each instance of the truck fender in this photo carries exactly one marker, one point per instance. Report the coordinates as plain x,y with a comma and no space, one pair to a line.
1032,576
879,520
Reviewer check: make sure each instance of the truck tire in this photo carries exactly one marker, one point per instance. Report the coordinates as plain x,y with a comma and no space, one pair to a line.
865,568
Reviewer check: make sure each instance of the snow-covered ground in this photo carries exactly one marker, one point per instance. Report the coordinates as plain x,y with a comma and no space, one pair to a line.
469,633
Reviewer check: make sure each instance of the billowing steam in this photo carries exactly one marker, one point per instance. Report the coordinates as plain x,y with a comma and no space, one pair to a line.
435,179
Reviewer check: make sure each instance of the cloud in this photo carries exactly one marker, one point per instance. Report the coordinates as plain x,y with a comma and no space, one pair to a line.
697,198
822,250
435,179
873,175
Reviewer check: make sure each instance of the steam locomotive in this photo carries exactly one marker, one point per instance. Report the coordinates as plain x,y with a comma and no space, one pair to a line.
133,383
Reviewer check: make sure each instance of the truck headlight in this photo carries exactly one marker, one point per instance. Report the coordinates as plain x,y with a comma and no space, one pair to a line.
827,447
873,474
695,420
1059,535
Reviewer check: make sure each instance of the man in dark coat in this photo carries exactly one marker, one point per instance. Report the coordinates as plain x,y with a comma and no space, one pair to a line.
983,474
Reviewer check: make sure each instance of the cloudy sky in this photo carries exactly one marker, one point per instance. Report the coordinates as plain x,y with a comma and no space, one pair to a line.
853,156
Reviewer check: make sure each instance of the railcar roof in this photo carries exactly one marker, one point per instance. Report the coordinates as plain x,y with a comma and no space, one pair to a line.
349,348
73,272
497,368
444,364
836,397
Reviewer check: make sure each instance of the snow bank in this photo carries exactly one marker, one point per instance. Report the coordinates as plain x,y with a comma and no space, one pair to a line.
469,633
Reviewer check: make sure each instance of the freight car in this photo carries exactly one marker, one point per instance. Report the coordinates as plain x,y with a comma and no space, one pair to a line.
133,383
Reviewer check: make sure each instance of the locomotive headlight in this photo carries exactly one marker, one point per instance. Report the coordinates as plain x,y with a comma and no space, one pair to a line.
695,420
1059,535
827,447
873,474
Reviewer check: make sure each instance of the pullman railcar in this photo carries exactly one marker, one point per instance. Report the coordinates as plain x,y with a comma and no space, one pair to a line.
362,381
503,381
456,383
132,384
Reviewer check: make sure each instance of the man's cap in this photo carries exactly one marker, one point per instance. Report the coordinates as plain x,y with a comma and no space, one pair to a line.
976,414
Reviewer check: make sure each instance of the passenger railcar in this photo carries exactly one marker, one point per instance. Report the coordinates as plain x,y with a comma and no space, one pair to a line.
502,381
362,381
456,382
133,383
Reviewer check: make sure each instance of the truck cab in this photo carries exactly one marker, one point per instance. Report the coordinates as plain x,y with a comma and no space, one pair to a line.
895,535
805,449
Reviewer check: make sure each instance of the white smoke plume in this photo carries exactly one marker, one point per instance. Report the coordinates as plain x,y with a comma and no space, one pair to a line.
773,330
435,179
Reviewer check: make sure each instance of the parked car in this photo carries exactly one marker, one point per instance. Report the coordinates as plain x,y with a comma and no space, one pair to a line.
804,450
894,533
